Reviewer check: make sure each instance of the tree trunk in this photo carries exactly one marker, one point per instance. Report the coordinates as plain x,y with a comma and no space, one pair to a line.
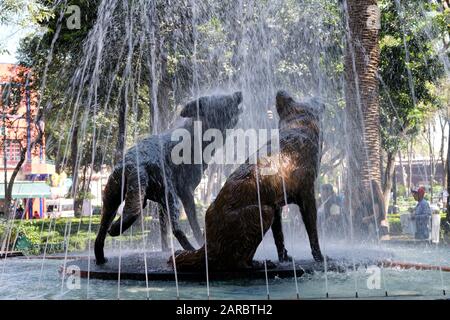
79,197
388,178
410,170
382,169
58,164
164,90
443,124
75,165
362,100
402,169
161,85
432,166
121,133
444,173
448,177
446,4
9,190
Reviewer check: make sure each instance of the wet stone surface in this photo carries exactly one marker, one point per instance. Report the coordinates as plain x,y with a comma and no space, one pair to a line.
133,267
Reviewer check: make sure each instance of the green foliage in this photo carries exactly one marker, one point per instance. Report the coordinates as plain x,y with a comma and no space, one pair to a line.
12,11
85,195
52,235
395,226
401,190
96,122
22,14
410,68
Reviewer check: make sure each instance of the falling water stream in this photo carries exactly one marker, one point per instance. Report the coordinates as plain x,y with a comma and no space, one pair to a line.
237,46
293,256
195,89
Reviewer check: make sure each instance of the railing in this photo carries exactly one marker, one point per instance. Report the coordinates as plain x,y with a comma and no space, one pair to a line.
12,163
39,161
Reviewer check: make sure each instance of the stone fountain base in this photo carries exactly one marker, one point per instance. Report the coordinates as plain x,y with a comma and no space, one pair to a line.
10,254
132,267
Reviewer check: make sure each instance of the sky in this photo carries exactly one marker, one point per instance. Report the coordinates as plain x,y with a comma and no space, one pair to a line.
10,36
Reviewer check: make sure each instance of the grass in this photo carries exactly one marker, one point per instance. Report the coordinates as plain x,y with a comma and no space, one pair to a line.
55,235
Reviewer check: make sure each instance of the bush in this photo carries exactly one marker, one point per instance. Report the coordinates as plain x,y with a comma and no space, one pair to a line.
395,226
33,237
401,191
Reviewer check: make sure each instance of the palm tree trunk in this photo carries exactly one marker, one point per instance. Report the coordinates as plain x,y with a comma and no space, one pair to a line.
362,99
121,133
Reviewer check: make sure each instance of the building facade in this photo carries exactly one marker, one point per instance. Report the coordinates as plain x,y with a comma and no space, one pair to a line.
19,132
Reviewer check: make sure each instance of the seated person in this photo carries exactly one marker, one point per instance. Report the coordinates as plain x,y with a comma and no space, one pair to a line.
370,220
332,220
421,214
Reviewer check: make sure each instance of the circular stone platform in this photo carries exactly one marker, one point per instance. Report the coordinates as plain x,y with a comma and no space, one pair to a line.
132,267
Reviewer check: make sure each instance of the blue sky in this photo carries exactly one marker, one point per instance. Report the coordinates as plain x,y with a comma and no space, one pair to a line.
10,36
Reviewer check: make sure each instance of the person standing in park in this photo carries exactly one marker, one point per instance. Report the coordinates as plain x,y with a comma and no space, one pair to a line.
421,214
19,212
36,215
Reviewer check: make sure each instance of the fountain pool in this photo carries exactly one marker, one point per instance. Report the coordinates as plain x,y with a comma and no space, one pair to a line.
21,279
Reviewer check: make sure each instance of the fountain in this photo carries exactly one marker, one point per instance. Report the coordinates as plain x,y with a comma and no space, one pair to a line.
141,63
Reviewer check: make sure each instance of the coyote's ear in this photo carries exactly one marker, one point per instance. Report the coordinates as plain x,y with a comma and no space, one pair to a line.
238,96
284,101
190,109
